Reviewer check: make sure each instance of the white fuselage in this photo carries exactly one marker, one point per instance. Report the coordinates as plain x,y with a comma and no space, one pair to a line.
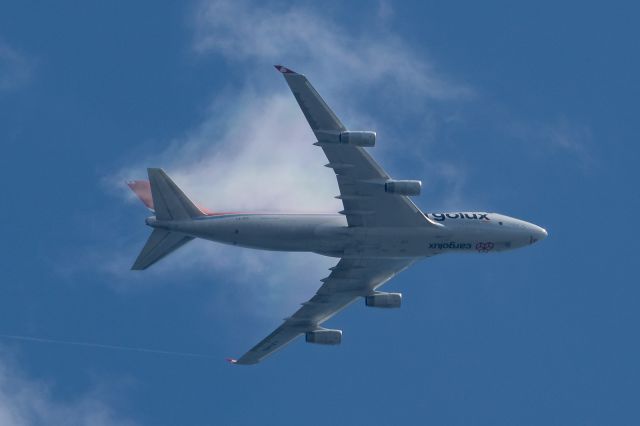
328,234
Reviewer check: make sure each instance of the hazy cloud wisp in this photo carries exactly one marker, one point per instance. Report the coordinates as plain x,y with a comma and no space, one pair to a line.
15,67
29,402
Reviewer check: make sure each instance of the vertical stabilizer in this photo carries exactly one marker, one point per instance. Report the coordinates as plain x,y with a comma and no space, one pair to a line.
169,201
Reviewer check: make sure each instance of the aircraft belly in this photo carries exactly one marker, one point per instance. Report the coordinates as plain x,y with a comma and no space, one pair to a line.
274,232
329,235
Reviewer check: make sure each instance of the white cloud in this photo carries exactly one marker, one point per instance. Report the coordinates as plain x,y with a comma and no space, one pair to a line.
254,151
15,67
343,54
28,402
556,137
573,139
385,10
258,154
453,178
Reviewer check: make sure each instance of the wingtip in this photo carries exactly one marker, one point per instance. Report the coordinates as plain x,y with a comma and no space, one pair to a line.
232,360
284,70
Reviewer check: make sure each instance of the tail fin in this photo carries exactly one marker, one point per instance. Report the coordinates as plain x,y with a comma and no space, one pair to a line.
169,203
159,244
142,188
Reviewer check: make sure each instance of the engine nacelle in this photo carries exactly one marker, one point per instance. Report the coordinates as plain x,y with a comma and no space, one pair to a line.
384,300
403,187
358,138
324,337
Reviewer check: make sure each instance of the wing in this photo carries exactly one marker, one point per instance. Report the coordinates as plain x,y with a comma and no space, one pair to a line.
360,178
349,280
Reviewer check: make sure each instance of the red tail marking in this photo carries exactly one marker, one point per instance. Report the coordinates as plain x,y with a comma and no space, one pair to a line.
142,189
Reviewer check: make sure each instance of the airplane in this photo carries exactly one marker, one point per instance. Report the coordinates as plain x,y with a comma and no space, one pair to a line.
379,233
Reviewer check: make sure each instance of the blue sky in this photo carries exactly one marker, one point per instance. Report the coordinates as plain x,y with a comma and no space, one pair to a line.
525,110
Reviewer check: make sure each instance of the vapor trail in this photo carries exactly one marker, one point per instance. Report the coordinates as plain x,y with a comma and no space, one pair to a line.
102,346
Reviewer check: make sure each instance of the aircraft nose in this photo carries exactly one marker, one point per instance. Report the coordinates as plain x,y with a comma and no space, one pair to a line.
544,234
538,234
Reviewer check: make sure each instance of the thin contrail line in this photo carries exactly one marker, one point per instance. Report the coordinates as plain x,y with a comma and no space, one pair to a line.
102,346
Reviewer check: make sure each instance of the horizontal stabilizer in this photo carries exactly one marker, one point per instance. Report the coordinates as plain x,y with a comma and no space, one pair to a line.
159,244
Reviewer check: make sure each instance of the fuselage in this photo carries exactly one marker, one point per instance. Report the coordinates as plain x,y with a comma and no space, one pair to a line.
328,234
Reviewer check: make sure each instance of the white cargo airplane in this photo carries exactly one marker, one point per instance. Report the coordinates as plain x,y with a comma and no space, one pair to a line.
379,233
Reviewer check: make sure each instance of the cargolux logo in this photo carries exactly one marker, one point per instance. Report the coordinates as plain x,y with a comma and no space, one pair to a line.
449,245
484,247
440,217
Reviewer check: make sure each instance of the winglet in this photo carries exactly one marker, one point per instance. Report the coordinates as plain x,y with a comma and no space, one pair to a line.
285,70
232,360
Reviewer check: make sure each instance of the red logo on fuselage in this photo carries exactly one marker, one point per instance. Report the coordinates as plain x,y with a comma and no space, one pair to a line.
484,247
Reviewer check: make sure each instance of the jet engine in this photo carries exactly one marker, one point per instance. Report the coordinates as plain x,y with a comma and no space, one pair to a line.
384,300
403,187
358,138
324,337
